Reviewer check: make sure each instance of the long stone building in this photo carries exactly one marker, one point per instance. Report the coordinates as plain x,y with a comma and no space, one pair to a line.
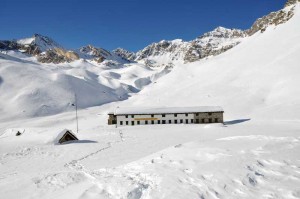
175,115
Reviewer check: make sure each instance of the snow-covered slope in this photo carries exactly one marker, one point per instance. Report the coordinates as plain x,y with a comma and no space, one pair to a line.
42,42
255,154
30,89
259,77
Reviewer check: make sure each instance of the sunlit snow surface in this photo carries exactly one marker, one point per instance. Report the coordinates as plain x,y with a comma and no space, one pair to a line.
255,154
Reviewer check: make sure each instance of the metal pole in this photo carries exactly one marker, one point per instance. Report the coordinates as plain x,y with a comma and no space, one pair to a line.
76,112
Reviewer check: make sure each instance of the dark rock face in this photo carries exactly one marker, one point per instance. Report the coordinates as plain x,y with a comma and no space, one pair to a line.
44,48
130,56
57,56
211,43
97,54
274,18
13,45
291,2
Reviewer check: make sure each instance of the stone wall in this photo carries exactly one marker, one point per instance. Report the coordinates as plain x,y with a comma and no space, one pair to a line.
111,119
216,117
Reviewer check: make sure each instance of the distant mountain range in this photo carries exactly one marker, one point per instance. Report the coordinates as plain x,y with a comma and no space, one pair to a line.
160,54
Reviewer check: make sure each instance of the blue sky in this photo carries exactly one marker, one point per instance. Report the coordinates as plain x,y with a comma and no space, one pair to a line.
131,24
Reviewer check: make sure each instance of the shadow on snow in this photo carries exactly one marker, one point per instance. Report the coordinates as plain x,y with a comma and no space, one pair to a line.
232,122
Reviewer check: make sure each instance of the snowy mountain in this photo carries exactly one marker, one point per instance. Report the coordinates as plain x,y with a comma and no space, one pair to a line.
254,79
42,43
125,54
30,88
46,50
161,54
169,53
254,154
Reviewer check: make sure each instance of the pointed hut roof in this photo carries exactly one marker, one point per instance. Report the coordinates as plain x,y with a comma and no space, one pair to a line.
65,136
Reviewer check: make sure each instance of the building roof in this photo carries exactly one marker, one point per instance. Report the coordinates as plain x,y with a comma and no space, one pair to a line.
60,137
162,110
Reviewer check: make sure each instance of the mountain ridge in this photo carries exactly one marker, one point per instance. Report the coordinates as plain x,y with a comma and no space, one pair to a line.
165,53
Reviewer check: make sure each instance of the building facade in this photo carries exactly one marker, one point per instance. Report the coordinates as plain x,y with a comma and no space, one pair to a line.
151,116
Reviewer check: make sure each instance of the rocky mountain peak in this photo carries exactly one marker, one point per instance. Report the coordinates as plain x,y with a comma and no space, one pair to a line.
121,52
43,43
291,2
274,18
94,51
221,32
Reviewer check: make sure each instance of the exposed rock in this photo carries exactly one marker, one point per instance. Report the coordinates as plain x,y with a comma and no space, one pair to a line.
160,54
274,18
91,52
211,43
291,2
131,56
57,55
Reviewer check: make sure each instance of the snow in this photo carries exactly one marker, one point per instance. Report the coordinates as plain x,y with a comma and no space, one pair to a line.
26,41
31,89
160,110
61,134
254,155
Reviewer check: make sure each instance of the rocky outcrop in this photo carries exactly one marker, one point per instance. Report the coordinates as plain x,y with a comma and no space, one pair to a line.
291,2
93,53
131,56
57,56
274,18
44,48
212,43
14,45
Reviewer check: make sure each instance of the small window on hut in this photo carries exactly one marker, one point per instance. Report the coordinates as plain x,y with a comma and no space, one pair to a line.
163,115
121,122
126,116
175,115
152,115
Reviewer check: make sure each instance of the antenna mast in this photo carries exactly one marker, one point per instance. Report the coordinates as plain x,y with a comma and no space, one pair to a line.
76,112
